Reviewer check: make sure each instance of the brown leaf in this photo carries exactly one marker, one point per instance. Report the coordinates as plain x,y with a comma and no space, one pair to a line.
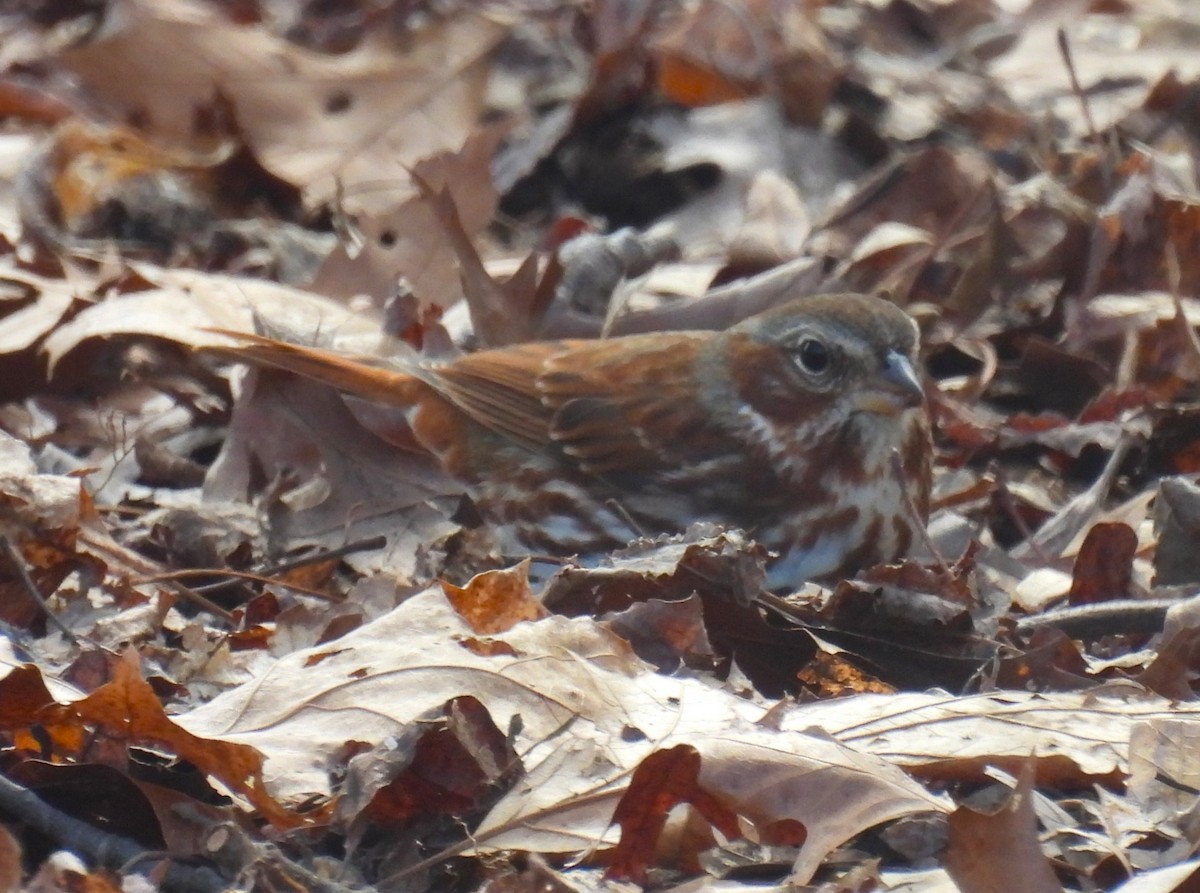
709,56
458,755
500,316
128,709
494,601
409,241
830,675
23,695
185,305
1104,565
666,633
662,781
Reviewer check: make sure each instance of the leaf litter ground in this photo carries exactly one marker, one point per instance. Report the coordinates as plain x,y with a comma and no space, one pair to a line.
255,639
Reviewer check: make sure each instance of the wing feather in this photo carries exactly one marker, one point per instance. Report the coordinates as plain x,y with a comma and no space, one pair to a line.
498,390
626,407
611,406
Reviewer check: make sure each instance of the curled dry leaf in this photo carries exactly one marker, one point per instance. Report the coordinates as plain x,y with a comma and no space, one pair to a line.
494,601
127,709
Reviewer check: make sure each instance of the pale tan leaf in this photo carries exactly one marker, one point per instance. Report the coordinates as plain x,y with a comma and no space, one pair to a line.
358,120
188,302
940,732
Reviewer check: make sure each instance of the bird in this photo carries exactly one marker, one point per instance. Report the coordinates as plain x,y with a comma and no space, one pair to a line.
804,426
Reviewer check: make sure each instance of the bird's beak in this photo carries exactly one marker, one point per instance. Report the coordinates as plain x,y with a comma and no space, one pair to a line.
893,390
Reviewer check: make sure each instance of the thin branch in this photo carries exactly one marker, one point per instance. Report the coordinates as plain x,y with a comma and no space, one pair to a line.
104,848
18,565
1064,49
104,544
267,574
910,508
364,545
171,576
1124,616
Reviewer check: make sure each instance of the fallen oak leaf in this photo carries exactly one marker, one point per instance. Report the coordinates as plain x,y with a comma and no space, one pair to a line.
312,120
126,708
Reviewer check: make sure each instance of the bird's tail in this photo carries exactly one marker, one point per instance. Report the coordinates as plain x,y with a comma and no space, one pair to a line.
378,383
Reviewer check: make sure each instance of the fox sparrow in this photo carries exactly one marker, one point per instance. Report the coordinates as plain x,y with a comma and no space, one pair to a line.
784,425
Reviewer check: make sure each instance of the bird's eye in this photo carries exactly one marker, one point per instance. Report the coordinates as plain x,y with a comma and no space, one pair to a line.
814,355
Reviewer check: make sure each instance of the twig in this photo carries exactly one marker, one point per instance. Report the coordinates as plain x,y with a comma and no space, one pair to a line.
272,570
100,846
1164,779
170,576
18,565
1064,49
626,517
1101,241
199,600
366,545
1110,618
915,516
1005,497
104,544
